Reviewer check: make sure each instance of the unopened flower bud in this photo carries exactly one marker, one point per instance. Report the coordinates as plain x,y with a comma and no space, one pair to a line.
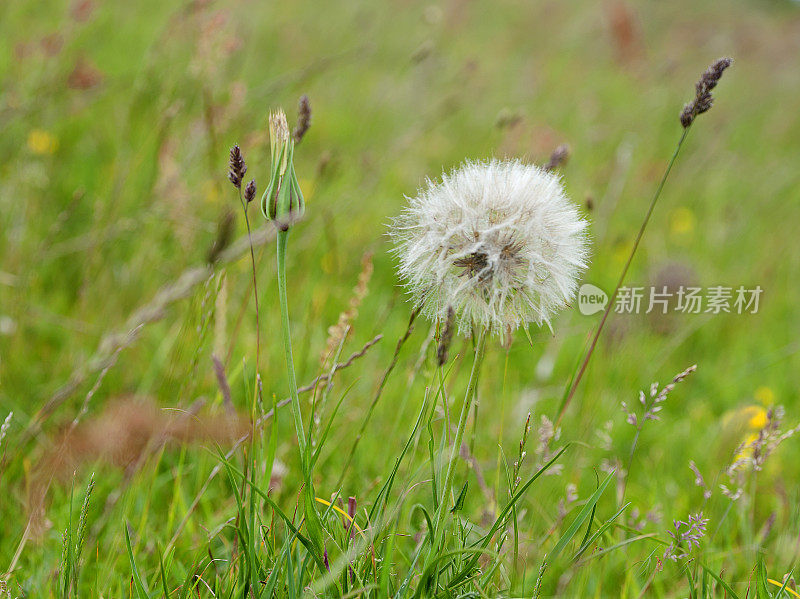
282,201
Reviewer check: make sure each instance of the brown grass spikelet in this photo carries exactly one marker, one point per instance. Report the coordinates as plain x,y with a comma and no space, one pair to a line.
303,119
703,99
85,75
250,191
337,332
558,158
446,337
236,166
222,381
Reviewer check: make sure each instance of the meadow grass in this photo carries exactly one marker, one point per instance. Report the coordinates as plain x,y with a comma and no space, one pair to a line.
116,124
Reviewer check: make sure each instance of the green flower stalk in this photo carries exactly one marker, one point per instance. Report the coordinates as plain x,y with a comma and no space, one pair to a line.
283,204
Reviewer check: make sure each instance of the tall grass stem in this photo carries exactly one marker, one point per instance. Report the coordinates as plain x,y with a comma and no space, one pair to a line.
577,379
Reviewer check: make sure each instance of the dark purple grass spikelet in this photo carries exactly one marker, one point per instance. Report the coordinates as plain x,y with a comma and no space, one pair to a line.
703,99
237,167
558,158
446,337
250,191
303,119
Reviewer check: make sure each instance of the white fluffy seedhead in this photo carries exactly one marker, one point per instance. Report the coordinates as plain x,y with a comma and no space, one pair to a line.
498,241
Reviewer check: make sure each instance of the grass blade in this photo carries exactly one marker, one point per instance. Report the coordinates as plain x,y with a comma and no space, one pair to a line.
580,519
722,583
141,588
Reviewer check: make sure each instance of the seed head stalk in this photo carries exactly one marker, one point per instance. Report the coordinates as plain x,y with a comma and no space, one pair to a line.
313,523
480,352
283,238
247,192
283,204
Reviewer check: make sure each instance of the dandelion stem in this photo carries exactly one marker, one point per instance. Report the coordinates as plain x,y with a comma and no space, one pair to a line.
312,519
613,297
480,350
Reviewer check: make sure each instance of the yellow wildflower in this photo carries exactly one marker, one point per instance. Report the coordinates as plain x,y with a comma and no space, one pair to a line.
42,142
765,395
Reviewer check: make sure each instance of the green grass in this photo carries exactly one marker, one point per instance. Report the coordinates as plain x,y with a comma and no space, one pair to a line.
110,193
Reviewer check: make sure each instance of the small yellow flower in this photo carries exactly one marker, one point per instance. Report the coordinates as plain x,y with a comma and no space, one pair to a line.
765,396
682,221
747,447
42,142
750,421
756,417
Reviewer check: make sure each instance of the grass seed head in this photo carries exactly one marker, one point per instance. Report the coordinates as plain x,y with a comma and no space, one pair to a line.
250,191
236,167
703,99
303,119
558,158
446,337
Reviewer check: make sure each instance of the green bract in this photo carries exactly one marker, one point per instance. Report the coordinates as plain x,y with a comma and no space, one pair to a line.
282,201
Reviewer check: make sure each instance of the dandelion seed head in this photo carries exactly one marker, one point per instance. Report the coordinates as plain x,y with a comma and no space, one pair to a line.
498,241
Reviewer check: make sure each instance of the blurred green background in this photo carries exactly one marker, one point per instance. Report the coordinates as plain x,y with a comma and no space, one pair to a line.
116,120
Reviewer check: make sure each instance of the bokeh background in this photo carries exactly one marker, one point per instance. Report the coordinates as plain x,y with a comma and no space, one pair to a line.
116,121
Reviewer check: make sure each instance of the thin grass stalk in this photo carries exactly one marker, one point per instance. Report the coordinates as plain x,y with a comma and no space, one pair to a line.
613,297
255,293
395,357
250,462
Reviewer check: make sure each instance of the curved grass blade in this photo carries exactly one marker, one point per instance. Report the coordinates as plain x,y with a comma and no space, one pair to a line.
141,588
580,519
586,542
433,567
304,540
487,538
762,592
